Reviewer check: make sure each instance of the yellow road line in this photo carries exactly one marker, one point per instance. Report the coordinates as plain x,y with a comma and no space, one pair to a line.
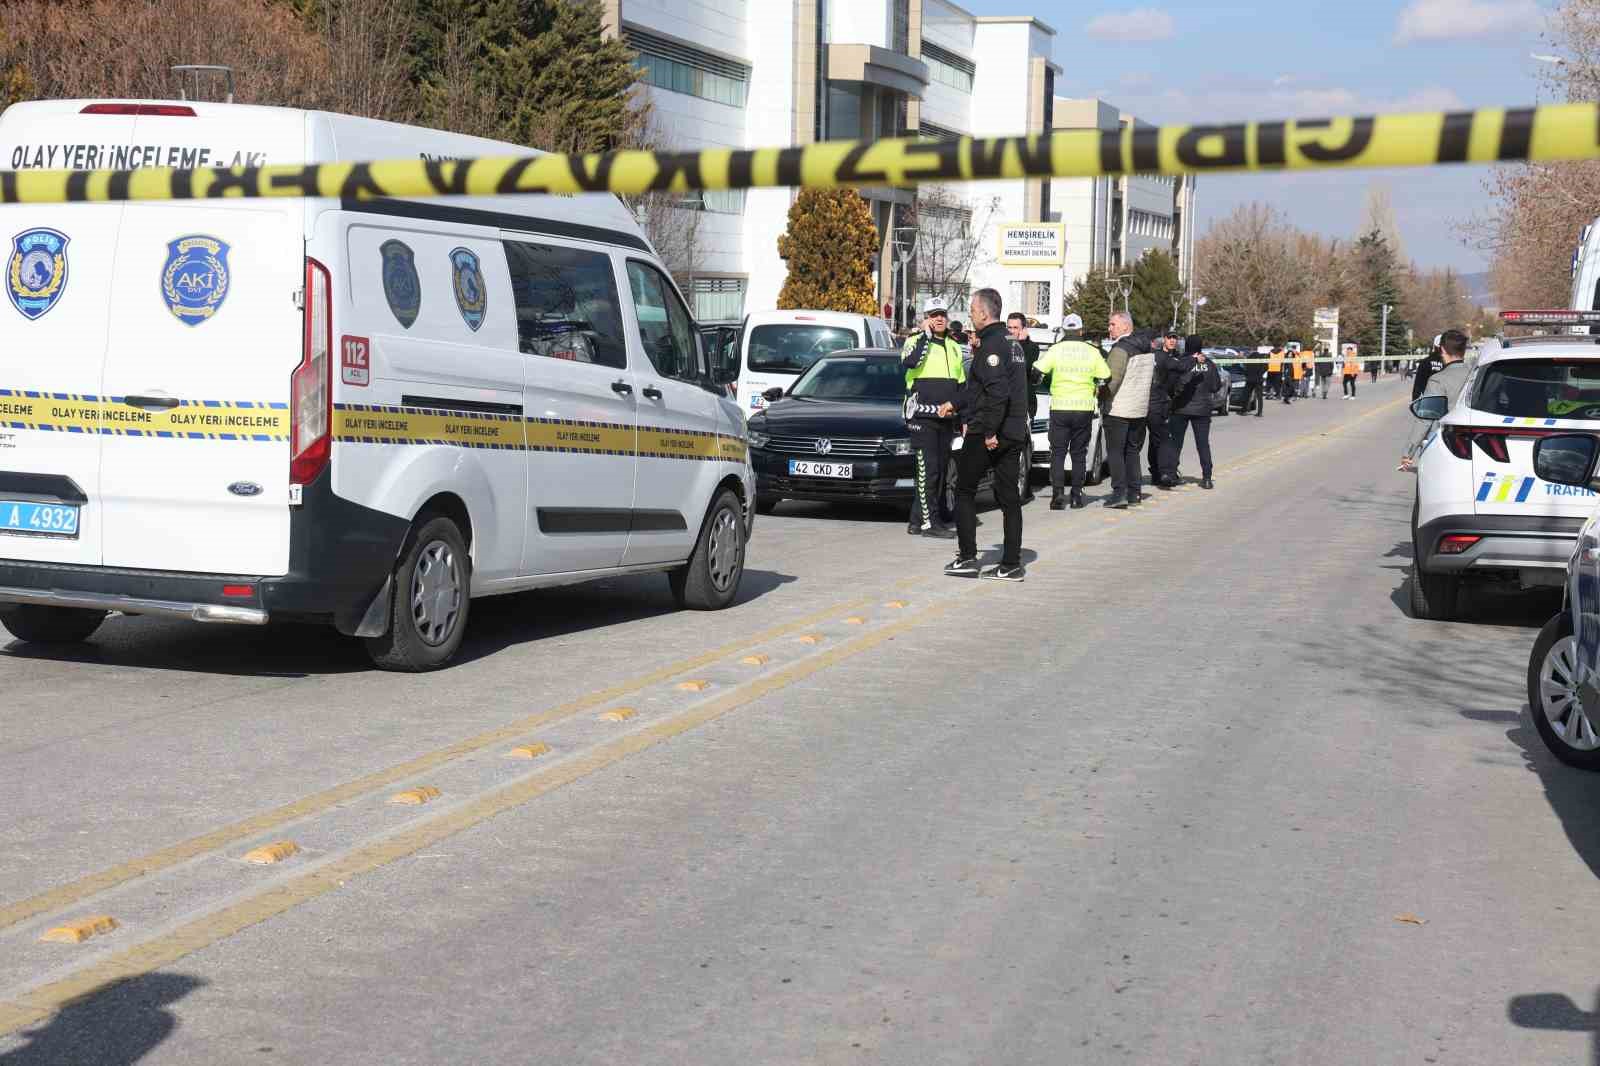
207,930
316,803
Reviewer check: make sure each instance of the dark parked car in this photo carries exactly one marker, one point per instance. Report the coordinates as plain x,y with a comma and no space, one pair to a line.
838,434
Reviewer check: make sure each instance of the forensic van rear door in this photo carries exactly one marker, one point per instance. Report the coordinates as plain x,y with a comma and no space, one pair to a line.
205,331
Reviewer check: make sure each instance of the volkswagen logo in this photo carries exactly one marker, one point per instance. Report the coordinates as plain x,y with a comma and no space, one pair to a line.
824,446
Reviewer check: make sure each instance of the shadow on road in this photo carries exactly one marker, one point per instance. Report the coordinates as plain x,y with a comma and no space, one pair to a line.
1501,603
116,1026
296,651
1555,1012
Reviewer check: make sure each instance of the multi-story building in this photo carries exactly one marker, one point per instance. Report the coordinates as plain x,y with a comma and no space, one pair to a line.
743,74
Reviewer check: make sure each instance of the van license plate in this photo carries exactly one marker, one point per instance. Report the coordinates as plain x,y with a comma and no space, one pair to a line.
38,519
808,468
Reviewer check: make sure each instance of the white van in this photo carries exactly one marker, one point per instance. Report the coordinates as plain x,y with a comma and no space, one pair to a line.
775,347
359,411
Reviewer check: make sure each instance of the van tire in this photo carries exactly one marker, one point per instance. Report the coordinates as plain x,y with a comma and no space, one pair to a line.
710,581
406,648
36,624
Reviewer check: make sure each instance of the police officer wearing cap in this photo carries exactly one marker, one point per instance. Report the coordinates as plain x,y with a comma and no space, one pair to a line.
934,373
1076,370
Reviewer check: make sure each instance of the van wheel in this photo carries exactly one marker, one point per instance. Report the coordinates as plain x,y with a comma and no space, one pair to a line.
431,596
50,625
711,580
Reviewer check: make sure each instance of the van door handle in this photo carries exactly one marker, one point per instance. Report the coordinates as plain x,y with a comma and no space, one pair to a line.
652,393
164,402
622,388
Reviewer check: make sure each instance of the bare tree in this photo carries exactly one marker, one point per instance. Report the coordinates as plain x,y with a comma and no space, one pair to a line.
950,243
1257,283
369,60
672,221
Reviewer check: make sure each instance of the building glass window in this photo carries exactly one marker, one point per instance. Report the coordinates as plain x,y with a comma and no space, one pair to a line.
947,68
567,304
718,299
678,68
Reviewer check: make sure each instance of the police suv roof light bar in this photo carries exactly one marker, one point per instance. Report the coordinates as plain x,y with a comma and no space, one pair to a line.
1549,318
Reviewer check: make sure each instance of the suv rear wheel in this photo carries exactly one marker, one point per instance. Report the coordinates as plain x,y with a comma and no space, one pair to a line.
50,625
430,597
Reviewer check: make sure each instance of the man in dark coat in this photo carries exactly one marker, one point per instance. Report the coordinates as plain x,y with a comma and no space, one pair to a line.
1191,405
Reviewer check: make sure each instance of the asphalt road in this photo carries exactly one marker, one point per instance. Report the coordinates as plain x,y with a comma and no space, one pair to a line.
1167,802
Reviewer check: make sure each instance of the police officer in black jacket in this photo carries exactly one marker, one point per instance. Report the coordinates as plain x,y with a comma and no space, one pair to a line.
1427,368
1170,368
994,409
1017,330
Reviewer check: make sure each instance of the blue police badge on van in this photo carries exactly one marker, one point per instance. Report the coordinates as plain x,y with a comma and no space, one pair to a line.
194,279
401,286
37,274
472,297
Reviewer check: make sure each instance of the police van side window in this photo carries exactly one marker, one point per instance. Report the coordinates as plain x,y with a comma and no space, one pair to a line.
665,330
567,304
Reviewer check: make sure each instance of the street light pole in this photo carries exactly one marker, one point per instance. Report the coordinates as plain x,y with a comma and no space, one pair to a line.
1383,339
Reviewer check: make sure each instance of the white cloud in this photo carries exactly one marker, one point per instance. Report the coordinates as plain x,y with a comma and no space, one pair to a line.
1140,24
1454,20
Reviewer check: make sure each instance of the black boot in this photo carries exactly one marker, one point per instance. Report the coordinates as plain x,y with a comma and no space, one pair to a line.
1078,502
1207,483
1058,502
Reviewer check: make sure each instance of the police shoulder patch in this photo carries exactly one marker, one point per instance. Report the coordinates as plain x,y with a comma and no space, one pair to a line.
195,277
994,360
472,296
37,273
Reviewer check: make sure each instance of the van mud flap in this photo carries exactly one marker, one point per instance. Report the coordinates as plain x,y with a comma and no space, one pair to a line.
375,622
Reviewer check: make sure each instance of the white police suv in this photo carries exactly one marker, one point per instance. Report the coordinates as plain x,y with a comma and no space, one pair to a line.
360,411
1481,511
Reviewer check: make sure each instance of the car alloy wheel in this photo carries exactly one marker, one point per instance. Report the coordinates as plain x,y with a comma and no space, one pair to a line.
1558,697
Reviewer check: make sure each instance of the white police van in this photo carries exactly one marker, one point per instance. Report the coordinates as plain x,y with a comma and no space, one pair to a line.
776,347
364,412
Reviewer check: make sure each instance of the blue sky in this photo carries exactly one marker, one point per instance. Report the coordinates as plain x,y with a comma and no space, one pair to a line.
1184,61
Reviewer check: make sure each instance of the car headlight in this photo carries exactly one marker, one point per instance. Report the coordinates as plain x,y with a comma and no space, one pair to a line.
757,440
901,446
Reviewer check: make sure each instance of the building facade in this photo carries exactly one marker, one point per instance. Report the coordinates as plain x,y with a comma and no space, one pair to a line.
761,73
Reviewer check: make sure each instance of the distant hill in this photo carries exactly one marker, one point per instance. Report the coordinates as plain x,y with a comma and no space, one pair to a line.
1480,289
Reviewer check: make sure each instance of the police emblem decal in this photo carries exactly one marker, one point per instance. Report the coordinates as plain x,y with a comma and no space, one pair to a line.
37,274
401,286
195,278
467,280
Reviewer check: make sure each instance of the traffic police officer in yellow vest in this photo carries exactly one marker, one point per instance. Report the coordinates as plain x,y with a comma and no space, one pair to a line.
1076,370
934,374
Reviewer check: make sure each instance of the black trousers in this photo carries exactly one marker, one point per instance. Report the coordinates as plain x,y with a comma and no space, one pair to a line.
1069,432
1179,428
973,462
1373,370
1274,383
1124,442
1252,396
1158,451
931,442
1350,384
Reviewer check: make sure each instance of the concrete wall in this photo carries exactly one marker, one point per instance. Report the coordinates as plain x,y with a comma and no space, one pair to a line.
716,25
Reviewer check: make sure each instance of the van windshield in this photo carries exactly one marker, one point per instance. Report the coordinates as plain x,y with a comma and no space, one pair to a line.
1540,388
792,347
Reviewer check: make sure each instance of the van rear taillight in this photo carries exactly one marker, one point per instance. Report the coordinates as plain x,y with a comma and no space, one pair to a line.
167,110
311,388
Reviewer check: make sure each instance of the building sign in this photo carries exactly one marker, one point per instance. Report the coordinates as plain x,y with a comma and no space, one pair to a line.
1033,244
1325,318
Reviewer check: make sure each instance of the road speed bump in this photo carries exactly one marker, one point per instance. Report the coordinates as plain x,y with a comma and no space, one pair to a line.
811,638
267,854
897,604
415,797
855,620
697,685
79,931
756,660
618,714
529,751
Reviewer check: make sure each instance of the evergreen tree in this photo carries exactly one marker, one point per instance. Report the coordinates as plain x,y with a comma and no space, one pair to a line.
1380,285
831,246
1087,299
1155,281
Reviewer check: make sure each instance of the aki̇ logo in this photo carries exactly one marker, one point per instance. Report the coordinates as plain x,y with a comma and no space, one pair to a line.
195,278
472,297
37,273
401,286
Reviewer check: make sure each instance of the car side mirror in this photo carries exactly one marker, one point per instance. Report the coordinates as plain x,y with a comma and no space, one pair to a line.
724,367
1568,459
1430,408
773,395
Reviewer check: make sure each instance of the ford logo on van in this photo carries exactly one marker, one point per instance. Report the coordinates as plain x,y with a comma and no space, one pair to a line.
245,488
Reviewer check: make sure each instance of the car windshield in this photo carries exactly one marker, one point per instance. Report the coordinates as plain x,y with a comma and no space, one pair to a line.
795,346
854,378
1540,388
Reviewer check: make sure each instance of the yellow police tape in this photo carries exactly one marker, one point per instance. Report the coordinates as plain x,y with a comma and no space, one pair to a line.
1488,135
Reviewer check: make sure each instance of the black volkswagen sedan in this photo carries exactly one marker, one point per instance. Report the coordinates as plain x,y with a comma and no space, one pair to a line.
839,434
